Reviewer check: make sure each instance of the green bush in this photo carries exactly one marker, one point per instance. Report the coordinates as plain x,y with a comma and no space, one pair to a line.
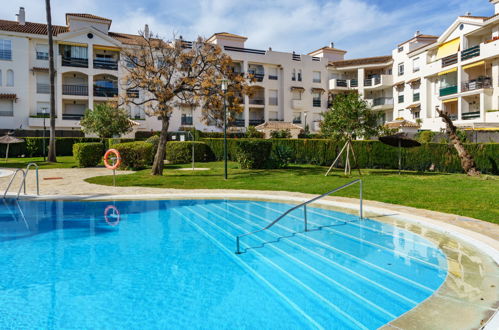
252,133
134,155
281,156
178,152
253,153
425,136
88,154
154,140
281,134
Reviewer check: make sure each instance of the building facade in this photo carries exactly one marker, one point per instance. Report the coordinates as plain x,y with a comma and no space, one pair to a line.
457,72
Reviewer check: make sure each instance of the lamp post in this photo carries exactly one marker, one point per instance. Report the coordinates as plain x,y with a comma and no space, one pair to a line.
44,112
224,90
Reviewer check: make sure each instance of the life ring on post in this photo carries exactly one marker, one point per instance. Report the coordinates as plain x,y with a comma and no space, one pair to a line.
117,155
116,215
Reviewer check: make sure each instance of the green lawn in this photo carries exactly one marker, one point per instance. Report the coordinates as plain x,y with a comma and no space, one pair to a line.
450,193
62,162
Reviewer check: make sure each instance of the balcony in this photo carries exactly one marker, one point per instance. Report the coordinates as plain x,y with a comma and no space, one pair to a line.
75,62
298,104
382,81
105,64
480,83
257,101
316,103
382,101
79,90
237,123
256,122
105,91
415,97
42,88
470,53
449,60
448,90
68,116
354,83
470,115
340,84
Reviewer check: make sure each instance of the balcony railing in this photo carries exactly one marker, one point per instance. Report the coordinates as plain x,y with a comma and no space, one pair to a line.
75,62
186,120
449,60
354,83
244,50
368,82
382,101
272,77
470,115
42,56
256,122
43,88
105,64
81,90
341,83
415,97
296,120
316,103
483,82
237,123
105,91
296,57
68,116
257,75
470,52
132,93
5,54
257,101
448,90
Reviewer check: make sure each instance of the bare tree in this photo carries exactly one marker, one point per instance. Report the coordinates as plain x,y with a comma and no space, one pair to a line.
52,153
177,72
467,161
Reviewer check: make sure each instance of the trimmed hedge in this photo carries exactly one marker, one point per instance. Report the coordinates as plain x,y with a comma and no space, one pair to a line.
178,152
253,153
134,155
88,154
374,154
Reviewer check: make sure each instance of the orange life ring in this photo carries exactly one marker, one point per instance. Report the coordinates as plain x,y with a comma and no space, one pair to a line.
116,215
118,159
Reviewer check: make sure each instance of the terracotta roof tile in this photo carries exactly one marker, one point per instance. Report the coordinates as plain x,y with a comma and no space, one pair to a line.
90,16
31,28
362,61
227,34
327,48
420,36
401,123
277,125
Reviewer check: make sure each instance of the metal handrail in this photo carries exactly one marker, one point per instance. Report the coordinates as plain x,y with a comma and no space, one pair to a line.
12,179
304,204
23,184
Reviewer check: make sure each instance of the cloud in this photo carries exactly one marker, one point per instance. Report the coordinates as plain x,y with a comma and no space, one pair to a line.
362,27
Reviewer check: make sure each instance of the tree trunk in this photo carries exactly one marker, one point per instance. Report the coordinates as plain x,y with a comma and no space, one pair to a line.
159,158
467,161
51,154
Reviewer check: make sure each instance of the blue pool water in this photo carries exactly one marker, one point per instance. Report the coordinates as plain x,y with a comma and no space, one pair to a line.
171,264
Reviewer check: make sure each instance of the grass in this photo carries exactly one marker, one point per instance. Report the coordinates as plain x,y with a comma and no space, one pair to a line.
62,162
449,193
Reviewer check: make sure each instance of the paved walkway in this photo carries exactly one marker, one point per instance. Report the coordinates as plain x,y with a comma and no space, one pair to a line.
69,183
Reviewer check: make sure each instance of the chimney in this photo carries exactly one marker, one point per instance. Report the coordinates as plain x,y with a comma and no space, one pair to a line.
21,17
331,44
146,31
468,13
417,33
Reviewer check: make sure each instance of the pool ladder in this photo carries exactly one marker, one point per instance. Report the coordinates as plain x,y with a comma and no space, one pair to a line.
23,183
304,205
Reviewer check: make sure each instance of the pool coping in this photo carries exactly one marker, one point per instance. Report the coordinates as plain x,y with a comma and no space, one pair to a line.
483,243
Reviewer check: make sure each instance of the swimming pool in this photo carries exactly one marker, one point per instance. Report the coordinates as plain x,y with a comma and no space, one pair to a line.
171,263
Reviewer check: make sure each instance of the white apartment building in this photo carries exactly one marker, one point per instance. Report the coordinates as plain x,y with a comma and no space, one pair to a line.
289,87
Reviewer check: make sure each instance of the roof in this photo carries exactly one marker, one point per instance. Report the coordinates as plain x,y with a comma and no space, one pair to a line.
422,46
127,39
277,125
89,16
475,17
401,123
420,36
414,106
297,88
227,34
31,28
418,79
327,48
362,61
8,96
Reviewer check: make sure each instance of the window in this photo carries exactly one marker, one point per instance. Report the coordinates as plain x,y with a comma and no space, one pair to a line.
299,75
10,78
293,75
6,108
296,94
401,97
5,49
69,51
415,64
42,52
273,115
400,113
401,49
317,77
415,95
401,69
273,97
416,114
296,117
316,99
0,77
272,73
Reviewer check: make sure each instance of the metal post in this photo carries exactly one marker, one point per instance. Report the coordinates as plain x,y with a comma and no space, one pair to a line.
114,177
44,129
237,245
400,156
225,139
192,144
360,198
305,216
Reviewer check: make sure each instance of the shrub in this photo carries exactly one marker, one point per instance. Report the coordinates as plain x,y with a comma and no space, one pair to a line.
253,153
281,134
252,133
88,154
425,136
134,155
281,156
154,140
178,152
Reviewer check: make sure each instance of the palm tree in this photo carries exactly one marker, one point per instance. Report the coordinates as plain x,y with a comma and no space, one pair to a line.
51,154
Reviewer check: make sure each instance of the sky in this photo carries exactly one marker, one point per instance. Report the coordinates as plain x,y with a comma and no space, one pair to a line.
362,27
